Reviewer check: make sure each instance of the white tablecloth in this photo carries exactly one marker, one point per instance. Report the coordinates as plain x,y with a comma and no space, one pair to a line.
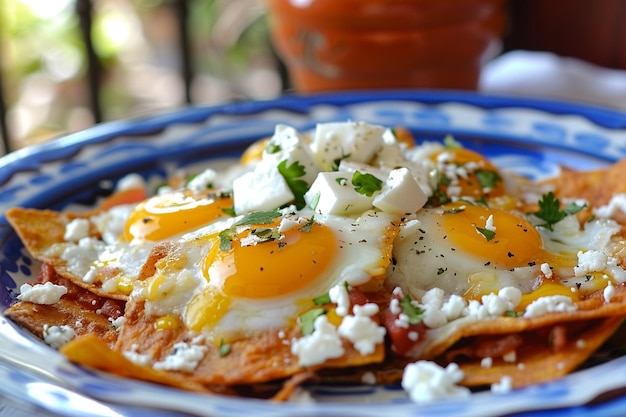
545,75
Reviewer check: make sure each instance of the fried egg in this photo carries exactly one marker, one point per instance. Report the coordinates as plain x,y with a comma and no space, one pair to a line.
473,250
129,232
255,277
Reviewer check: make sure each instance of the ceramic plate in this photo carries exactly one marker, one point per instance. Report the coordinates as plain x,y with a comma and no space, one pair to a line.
530,137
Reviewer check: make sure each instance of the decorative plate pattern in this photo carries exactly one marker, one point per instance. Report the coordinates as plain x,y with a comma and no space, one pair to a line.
530,137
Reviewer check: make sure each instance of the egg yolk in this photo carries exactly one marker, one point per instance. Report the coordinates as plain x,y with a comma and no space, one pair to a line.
500,237
266,269
474,175
274,267
162,217
254,152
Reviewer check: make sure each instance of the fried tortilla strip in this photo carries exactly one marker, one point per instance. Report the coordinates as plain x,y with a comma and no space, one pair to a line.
589,309
42,232
597,186
90,351
264,357
536,362
84,312
529,350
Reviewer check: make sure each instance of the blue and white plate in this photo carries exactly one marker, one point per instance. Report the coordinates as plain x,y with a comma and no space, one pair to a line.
530,137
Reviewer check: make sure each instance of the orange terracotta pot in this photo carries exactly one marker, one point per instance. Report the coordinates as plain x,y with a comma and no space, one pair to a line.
362,44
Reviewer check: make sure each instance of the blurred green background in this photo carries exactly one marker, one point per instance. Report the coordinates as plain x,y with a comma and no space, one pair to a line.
43,60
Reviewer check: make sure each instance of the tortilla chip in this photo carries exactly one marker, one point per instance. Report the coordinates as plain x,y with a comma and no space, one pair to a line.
79,309
597,186
88,350
536,362
40,231
261,358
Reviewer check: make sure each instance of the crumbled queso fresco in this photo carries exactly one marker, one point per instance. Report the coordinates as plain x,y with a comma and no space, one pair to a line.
402,191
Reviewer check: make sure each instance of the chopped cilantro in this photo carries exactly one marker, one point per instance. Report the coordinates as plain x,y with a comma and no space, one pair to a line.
454,210
272,148
308,226
224,348
342,181
298,187
230,211
487,178
450,143
550,210
307,320
415,314
257,217
366,184
315,200
266,234
226,239
442,179
336,162
322,299
489,234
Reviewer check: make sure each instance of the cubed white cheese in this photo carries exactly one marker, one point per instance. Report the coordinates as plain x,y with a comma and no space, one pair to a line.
392,153
333,193
261,189
201,182
288,144
352,167
354,141
401,194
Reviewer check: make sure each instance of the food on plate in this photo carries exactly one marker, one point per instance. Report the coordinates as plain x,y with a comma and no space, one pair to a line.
345,254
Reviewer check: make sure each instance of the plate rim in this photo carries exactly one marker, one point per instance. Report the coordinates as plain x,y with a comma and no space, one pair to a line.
607,118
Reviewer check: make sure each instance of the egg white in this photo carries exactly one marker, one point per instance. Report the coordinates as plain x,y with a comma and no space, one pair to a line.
425,258
358,254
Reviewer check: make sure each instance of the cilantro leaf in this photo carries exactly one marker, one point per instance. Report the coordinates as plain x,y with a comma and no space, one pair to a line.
451,143
322,299
366,184
291,174
487,178
224,348
256,217
229,211
272,148
226,239
315,200
415,314
308,226
307,320
550,210
489,234
266,234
